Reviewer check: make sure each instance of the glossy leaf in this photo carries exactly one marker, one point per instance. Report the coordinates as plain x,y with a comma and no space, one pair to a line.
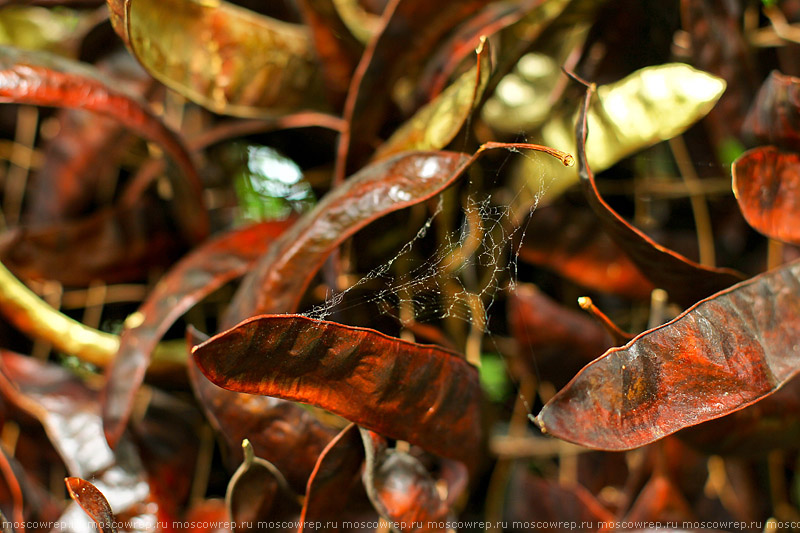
330,485
197,275
214,54
46,80
723,354
92,502
651,105
258,492
281,432
69,412
438,122
277,282
774,117
554,340
401,489
406,391
684,280
568,242
409,29
766,183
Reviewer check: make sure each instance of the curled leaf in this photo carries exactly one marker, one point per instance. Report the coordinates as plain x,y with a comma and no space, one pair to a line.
258,492
196,276
406,391
400,488
277,282
214,54
766,183
46,80
330,484
685,281
92,502
723,354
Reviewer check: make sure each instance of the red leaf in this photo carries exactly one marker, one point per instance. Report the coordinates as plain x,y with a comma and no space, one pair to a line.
401,489
93,502
774,117
281,432
766,183
684,280
45,80
723,354
419,393
330,484
197,275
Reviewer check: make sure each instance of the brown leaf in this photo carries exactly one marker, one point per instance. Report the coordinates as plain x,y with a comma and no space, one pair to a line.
331,483
684,280
723,354
281,432
401,489
277,282
93,502
46,80
766,183
197,275
419,393
258,492
408,31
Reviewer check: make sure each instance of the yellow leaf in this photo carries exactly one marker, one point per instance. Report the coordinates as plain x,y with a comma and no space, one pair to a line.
651,105
221,56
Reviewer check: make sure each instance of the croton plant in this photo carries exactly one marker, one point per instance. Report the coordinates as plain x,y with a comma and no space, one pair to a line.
412,265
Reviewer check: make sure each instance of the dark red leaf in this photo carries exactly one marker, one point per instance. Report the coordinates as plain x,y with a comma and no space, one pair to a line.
257,492
774,117
554,340
277,282
569,243
45,80
419,393
723,354
93,502
281,432
401,489
766,183
684,280
115,245
197,275
408,31
331,483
